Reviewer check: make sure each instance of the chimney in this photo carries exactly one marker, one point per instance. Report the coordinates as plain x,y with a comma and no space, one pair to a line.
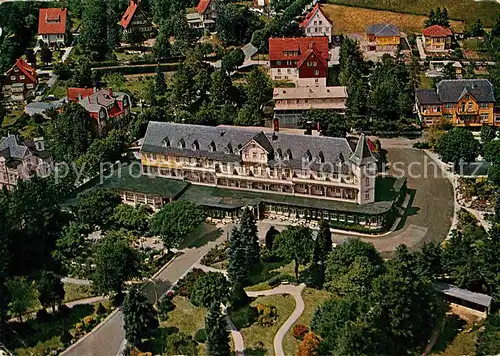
110,92
222,133
39,144
274,137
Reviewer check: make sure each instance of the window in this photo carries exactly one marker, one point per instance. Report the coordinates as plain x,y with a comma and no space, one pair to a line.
449,106
262,156
367,181
469,107
278,63
288,70
316,72
320,22
309,64
254,155
12,77
367,195
22,77
29,86
16,69
484,117
483,105
279,70
154,156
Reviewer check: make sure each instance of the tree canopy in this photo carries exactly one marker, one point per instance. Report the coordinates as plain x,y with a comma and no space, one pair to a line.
458,144
295,243
211,288
140,318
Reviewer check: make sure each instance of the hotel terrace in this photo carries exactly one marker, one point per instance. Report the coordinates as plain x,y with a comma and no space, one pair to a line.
277,174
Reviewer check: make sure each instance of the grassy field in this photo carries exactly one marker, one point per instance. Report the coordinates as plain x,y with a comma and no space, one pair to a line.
77,292
256,333
312,298
466,10
348,19
425,82
456,338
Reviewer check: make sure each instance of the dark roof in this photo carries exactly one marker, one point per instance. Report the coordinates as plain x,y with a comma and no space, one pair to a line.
450,91
229,139
463,294
383,30
15,149
427,96
216,197
362,154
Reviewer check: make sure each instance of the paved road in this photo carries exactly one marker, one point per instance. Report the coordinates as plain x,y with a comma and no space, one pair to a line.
108,338
296,292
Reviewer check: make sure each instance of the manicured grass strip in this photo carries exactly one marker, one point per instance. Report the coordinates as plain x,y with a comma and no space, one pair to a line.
77,292
186,317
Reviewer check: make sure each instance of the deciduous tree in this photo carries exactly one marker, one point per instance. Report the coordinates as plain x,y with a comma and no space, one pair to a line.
50,290
23,295
458,144
211,288
492,151
96,207
176,220
132,218
488,134
295,243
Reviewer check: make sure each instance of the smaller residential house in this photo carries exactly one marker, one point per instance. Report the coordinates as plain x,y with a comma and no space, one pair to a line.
291,104
41,108
383,37
205,15
135,19
22,160
303,60
53,26
317,23
20,81
107,108
463,102
261,4
436,38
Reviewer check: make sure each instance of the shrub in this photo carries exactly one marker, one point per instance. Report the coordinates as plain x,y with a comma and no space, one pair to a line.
100,309
216,254
79,329
64,309
66,337
185,285
164,307
494,174
244,317
200,336
422,145
268,314
89,322
42,314
299,331
274,281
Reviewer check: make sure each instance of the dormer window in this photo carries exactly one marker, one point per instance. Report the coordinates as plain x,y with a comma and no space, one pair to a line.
212,147
279,153
166,142
195,146
321,157
181,144
229,148
307,157
239,148
287,155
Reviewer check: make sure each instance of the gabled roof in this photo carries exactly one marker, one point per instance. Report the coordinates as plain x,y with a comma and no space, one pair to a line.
451,91
313,50
24,67
464,294
262,140
383,30
129,13
362,154
202,6
52,21
11,149
277,47
74,94
311,14
437,31
427,96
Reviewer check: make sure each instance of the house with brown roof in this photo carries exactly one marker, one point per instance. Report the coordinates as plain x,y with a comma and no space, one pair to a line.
303,60
317,23
108,109
136,20
204,16
20,81
436,38
53,26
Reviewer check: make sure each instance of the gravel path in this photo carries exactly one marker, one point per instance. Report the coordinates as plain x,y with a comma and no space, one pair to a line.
296,292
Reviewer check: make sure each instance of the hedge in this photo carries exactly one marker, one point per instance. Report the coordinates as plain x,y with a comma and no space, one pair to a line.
355,228
136,69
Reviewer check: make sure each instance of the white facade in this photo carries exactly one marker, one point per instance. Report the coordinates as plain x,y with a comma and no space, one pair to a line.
318,25
57,39
284,74
311,82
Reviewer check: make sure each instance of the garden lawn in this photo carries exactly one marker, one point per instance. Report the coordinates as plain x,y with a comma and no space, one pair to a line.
466,10
59,89
77,292
186,317
263,272
256,333
312,299
425,82
348,19
457,338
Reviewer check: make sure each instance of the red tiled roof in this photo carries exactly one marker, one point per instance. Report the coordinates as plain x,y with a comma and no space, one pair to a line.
314,49
436,31
129,13
52,21
74,93
296,44
313,12
202,6
371,145
28,70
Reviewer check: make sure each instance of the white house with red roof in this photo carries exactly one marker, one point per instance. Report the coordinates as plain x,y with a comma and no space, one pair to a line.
317,23
205,15
53,26
20,81
135,19
303,60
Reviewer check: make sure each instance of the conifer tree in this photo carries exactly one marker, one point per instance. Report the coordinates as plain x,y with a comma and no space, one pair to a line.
139,316
237,268
248,228
160,84
217,336
322,247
